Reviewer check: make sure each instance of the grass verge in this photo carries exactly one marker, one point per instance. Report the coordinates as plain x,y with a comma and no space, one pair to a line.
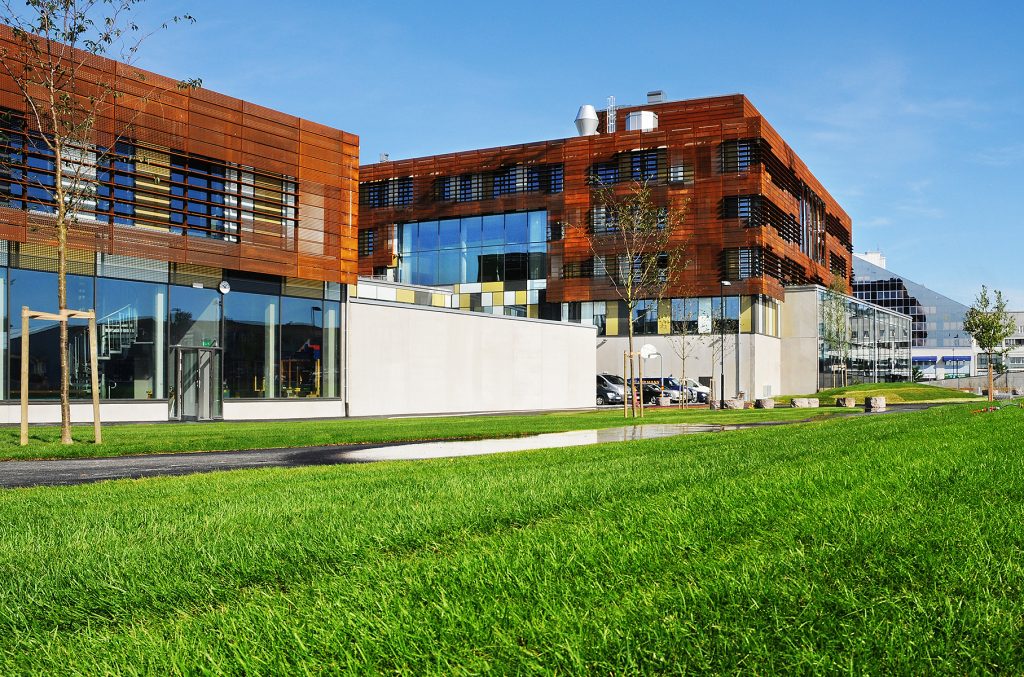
120,440
889,544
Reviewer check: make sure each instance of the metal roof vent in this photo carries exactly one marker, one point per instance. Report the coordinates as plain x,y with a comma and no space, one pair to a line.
586,120
656,96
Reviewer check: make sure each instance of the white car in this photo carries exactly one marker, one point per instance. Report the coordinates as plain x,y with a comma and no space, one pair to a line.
697,388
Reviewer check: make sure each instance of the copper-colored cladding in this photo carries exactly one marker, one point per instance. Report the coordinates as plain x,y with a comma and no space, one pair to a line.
206,125
689,131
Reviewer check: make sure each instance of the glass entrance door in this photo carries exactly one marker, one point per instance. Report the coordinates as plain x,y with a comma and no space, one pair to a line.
195,395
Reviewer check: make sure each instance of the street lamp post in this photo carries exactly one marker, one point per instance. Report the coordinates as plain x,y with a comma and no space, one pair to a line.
721,353
956,363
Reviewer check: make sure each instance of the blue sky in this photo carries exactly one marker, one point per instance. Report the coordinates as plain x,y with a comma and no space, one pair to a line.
910,113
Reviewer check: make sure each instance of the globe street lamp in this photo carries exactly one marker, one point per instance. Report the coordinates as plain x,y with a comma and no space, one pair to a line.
721,352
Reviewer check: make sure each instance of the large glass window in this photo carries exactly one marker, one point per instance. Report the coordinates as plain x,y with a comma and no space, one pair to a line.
38,291
645,317
250,341
331,352
195,317
491,248
302,347
131,328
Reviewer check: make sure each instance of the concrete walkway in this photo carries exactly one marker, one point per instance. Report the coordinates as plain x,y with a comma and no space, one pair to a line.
60,472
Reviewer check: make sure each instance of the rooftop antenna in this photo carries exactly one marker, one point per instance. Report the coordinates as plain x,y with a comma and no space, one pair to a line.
610,116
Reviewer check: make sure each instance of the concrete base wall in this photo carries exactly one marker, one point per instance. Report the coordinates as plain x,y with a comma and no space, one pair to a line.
407,359
242,410
1015,379
110,412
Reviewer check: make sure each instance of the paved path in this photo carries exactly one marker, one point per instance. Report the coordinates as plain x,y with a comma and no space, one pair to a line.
79,471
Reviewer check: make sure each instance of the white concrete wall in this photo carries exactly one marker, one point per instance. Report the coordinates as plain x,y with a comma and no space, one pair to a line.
800,342
408,359
307,407
110,412
756,362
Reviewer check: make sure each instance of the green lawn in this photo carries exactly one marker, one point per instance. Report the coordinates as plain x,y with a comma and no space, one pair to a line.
119,440
884,544
894,393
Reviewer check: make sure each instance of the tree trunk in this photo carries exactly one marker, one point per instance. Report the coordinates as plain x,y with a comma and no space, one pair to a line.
682,374
633,384
62,304
991,381
62,293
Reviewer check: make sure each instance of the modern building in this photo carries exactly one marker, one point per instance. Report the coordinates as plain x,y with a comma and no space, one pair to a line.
1013,358
502,230
216,241
940,348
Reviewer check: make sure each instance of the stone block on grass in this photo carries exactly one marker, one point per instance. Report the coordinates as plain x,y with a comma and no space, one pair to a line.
765,403
847,402
876,403
734,404
805,402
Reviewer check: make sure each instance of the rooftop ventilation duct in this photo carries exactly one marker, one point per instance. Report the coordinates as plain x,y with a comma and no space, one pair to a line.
656,96
586,120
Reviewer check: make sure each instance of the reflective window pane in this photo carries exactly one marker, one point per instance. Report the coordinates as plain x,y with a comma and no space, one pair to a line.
195,316
250,337
516,228
38,291
131,328
302,342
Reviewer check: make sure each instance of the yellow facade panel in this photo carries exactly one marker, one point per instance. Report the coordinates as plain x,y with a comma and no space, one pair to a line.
665,316
746,314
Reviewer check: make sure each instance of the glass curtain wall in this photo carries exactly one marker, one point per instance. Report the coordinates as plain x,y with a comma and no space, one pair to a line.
273,345
494,248
878,349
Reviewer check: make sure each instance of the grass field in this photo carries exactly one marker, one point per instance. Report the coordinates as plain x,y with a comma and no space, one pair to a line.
119,440
885,544
894,393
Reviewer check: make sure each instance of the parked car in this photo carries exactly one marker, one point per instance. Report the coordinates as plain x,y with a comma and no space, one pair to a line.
698,392
651,393
610,389
608,393
665,387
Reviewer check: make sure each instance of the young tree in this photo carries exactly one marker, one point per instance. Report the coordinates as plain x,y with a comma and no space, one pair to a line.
990,325
50,58
682,346
638,247
836,327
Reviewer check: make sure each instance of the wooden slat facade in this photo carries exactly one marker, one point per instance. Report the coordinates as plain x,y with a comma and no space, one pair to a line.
690,133
153,113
